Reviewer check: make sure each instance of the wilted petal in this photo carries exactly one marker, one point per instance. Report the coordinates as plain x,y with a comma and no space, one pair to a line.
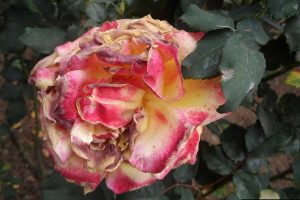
126,178
82,132
189,151
155,72
44,77
112,105
58,138
201,100
158,144
187,42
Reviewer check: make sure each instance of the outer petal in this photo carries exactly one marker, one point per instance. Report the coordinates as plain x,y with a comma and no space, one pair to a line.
112,105
75,170
201,100
187,42
155,147
59,140
127,178
189,152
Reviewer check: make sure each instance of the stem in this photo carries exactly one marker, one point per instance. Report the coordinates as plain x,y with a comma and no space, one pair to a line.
279,72
193,187
37,146
281,175
273,24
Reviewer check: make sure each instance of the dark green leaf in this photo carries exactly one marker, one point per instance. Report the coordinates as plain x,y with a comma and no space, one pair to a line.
253,164
10,91
74,7
296,172
95,11
242,68
243,11
247,185
151,192
292,33
282,9
16,22
15,111
43,40
233,142
202,63
185,193
254,136
232,197
202,20
253,28
216,160
264,180
184,173
290,193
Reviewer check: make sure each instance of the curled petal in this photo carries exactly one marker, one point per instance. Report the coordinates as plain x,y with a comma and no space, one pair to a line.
126,178
82,132
158,144
187,42
189,151
112,105
44,77
58,139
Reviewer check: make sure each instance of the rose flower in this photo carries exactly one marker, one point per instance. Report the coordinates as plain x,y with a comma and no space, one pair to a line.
114,105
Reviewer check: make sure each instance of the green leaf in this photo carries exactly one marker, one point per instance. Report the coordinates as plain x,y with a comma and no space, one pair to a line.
185,193
232,196
242,68
202,63
10,91
95,11
296,172
254,29
216,160
243,11
16,110
184,173
233,142
292,33
247,186
253,164
16,22
74,7
254,136
282,9
43,40
289,193
202,20
151,192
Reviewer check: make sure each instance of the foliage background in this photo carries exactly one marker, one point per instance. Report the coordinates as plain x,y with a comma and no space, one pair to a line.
256,40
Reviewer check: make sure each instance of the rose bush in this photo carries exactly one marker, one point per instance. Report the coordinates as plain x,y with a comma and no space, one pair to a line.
114,104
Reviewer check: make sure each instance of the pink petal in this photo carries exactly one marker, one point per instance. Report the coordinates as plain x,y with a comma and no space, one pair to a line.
112,105
156,147
189,152
75,170
155,72
187,42
201,100
109,25
127,178
44,77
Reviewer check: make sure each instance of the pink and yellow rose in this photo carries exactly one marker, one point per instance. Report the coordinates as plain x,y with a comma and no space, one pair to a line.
114,105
